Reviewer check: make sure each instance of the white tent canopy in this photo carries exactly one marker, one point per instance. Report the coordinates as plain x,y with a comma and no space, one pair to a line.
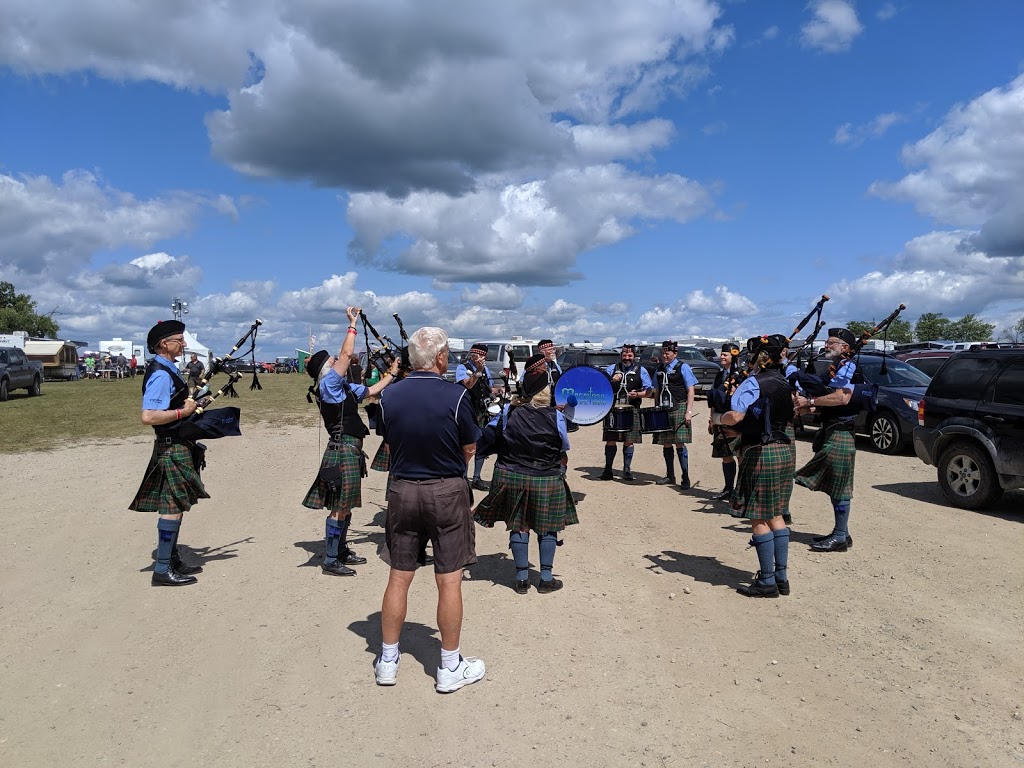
192,344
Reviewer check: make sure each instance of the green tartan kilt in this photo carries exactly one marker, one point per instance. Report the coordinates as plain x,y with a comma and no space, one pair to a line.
346,494
633,436
681,431
791,434
830,470
723,447
482,417
764,482
382,458
540,504
172,483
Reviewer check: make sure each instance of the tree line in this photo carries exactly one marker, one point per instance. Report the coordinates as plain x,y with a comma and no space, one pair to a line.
18,313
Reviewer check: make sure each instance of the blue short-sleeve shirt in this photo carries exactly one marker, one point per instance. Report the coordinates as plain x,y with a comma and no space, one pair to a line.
685,371
559,420
334,386
462,373
844,376
746,395
645,377
159,387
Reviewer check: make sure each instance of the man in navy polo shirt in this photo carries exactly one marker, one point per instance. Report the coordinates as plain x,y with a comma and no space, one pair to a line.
430,428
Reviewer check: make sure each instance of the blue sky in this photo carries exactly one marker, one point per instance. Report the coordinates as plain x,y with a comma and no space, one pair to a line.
615,170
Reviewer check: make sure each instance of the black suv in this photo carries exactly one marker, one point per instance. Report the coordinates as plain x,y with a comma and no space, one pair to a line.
705,370
971,426
595,358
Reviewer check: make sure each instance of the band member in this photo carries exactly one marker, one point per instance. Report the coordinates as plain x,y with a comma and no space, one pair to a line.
677,377
546,347
431,428
337,485
172,483
830,470
721,392
475,377
528,492
633,383
194,368
759,411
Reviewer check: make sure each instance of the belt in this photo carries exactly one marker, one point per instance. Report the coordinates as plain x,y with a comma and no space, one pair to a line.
429,479
171,441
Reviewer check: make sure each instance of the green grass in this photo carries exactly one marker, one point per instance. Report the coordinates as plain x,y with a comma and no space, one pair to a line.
93,409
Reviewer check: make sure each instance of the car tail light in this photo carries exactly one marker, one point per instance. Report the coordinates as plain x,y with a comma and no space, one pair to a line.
920,412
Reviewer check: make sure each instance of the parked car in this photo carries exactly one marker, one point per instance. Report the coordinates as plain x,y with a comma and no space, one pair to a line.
498,351
454,361
971,426
243,365
595,358
927,360
284,365
704,369
18,372
265,367
900,388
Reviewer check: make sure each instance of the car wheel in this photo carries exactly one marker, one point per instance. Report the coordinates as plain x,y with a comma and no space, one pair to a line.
3,391
36,388
885,433
967,477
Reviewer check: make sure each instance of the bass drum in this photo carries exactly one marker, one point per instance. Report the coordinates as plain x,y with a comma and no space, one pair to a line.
586,394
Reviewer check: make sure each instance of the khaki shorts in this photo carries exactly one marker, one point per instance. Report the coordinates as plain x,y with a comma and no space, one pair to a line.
438,511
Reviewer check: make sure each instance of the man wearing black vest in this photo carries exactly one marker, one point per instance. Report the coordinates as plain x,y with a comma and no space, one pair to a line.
634,383
172,483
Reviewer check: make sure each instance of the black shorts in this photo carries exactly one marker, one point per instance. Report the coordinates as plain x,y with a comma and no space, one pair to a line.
438,511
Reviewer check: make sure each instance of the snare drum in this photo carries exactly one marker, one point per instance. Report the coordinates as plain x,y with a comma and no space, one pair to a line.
619,419
654,420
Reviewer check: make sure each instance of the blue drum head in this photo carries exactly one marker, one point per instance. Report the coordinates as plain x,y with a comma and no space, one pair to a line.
586,393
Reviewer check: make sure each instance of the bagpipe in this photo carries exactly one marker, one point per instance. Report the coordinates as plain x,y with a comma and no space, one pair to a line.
220,422
384,356
808,343
865,395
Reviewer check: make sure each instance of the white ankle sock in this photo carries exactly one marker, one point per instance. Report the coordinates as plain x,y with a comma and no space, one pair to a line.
450,659
388,653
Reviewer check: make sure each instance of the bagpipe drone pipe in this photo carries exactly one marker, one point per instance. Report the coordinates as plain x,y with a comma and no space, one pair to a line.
210,424
384,356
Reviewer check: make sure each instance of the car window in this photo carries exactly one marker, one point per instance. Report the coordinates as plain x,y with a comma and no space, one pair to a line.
1010,385
690,354
897,373
603,359
928,365
3,356
962,377
521,351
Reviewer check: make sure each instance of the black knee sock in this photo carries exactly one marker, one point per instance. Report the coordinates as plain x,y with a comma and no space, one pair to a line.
729,470
609,456
670,460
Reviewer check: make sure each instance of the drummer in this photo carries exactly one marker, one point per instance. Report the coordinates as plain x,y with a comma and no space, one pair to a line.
676,385
633,384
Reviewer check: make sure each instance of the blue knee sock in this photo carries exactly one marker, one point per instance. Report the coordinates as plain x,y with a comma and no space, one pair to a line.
609,456
781,553
167,532
333,540
842,527
627,457
684,460
548,542
764,543
670,457
478,465
519,543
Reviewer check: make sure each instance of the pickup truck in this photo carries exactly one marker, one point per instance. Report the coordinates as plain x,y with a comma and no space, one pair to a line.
18,372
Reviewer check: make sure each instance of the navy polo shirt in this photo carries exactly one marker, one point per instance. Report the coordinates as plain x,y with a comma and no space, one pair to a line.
425,421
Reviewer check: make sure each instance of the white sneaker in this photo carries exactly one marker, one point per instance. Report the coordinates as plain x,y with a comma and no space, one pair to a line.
468,672
386,672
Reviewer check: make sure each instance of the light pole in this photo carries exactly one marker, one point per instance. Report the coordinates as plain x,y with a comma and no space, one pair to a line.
179,308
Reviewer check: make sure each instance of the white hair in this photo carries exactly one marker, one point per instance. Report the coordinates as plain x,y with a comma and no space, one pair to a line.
424,346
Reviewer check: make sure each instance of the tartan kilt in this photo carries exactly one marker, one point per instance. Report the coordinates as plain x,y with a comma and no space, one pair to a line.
347,458
791,434
633,436
482,418
172,483
541,504
764,482
382,458
681,431
723,447
830,470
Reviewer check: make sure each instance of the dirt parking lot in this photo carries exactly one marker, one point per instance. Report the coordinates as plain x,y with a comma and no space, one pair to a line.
904,651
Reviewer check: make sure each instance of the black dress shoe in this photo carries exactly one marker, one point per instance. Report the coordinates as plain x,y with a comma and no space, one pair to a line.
666,481
627,475
172,579
757,589
849,539
480,485
549,586
606,475
685,483
522,587
830,544
723,496
178,565
782,585
337,568
351,558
